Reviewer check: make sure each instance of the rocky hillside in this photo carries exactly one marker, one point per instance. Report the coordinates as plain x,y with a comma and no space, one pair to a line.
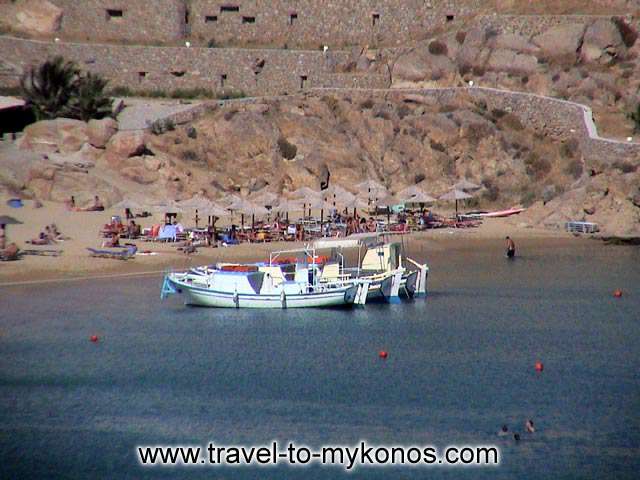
281,145
593,62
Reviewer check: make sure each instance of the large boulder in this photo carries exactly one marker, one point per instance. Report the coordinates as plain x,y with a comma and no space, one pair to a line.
502,60
126,144
38,16
62,135
513,41
561,40
602,40
101,131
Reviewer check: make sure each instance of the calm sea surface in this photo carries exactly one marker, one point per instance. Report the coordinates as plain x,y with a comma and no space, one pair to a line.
461,364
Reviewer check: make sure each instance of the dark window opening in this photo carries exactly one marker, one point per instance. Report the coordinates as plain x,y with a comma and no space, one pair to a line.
303,81
292,18
450,18
248,19
178,73
186,16
210,19
142,75
114,14
229,8
375,19
223,80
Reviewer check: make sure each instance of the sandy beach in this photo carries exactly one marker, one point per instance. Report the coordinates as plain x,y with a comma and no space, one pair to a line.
83,229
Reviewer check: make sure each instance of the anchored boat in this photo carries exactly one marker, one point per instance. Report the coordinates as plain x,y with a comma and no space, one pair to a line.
382,262
283,282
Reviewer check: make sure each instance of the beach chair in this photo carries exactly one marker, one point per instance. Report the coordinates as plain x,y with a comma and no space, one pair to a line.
42,253
125,254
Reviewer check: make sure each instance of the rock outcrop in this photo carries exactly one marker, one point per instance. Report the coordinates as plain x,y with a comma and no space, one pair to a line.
38,17
62,135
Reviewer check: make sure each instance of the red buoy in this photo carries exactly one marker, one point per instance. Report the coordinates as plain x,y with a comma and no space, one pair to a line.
94,338
539,366
383,354
617,293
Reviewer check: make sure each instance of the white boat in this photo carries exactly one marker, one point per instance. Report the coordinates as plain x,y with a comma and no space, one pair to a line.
381,262
280,283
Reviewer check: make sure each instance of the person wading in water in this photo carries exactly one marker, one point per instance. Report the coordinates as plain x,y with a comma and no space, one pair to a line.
511,248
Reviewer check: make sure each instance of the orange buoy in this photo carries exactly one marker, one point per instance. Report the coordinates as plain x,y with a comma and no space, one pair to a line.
539,366
383,355
617,293
94,338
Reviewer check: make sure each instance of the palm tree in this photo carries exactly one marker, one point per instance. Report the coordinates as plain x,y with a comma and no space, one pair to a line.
49,87
57,88
89,99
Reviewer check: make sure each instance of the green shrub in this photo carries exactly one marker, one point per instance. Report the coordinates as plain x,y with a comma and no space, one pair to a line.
287,149
635,117
367,104
190,156
162,125
574,168
403,111
436,47
512,121
625,166
479,71
536,166
437,146
570,148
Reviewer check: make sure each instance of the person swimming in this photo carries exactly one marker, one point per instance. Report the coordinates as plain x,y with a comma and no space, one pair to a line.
528,426
511,248
504,431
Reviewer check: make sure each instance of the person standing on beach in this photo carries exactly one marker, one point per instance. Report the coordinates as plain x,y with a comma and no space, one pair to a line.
511,248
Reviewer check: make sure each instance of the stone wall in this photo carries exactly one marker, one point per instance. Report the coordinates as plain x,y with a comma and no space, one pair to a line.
314,23
122,20
557,119
254,72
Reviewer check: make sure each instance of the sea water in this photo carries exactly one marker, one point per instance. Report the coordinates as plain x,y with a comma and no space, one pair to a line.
460,365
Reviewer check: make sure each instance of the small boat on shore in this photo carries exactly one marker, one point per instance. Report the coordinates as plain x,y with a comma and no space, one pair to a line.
296,283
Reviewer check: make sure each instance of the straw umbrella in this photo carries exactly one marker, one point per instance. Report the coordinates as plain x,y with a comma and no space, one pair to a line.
306,194
320,204
264,198
465,185
286,206
355,203
245,207
166,207
456,195
204,205
415,195
388,201
374,190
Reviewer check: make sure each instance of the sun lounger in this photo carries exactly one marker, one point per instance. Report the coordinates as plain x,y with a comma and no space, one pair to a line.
9,254
127,254
42,253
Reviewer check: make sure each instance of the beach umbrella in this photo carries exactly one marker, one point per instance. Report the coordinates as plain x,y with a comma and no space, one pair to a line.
264,198
167,206
285,206
388,201
373,190
202,204
466,185
9,220
415,194
371,186
355,203
306,194
455,195
245,207
320,204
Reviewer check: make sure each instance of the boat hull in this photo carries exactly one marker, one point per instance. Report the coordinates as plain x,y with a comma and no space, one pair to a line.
205,297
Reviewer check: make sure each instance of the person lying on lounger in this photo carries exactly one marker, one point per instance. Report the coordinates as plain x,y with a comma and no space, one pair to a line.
114,241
